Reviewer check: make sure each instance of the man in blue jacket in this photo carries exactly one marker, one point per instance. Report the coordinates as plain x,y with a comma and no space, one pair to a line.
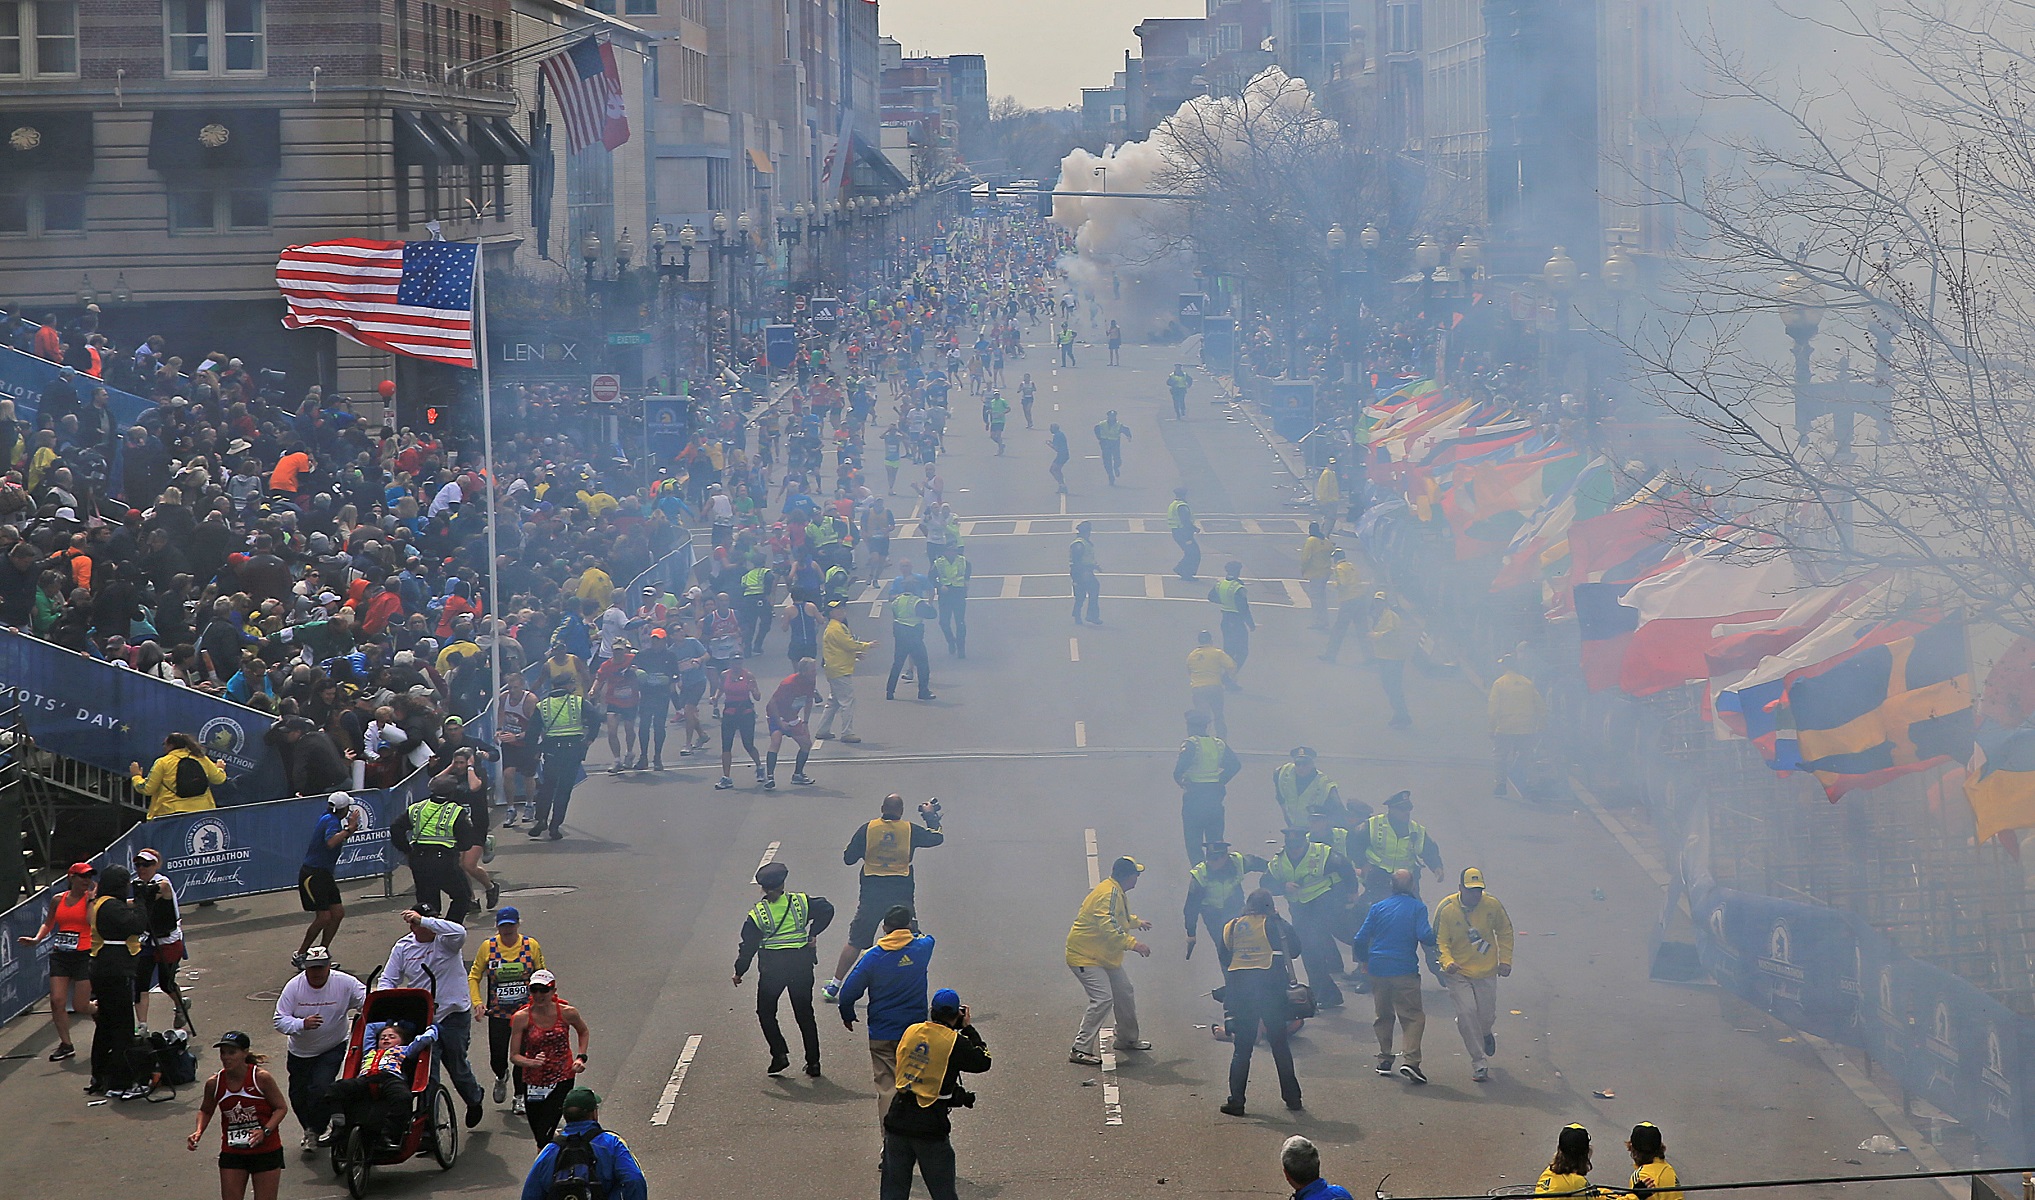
583,1149
1389,943
893,973
1300,1159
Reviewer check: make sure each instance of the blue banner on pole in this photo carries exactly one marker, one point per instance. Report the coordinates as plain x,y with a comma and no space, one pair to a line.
665,425
108,716
780,345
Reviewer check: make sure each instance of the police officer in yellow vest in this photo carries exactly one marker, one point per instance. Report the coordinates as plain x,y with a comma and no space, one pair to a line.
1394,841
779,934
1215,890
757,584
1180,523
1237,622
951,573
431,833
565,726
908,615
884,847
1203,770
1257,960
1317,883
1300,789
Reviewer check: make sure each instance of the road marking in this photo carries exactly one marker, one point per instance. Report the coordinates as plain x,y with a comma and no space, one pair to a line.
1296,591
1155,587
1013,587
769,853
1056,387
1080,733
1063,504
666,1102
1112,1095
1094,863
1073,649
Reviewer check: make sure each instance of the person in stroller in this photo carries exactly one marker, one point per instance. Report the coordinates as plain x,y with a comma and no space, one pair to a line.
379,1098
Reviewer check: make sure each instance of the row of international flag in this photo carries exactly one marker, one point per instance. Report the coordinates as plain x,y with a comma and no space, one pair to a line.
1856,683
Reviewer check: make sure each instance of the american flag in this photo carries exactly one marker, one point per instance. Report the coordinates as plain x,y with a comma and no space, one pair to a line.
588,86
413,298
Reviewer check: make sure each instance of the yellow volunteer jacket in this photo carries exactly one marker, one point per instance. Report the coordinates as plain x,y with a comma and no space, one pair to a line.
161,786
1515,705
1478,939
1104,928
1314,558
839,649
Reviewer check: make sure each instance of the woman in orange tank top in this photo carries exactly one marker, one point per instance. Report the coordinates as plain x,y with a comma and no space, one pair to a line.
69,925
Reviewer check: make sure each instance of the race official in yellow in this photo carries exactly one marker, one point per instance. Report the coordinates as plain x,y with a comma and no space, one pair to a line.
1209,671
931,1058
840,651
1314,570
1517,715
1393,636
1346,587
1104,930
1475,937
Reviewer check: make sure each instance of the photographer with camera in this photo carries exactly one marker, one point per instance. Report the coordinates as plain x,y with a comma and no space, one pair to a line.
884,847
162,944
931,1058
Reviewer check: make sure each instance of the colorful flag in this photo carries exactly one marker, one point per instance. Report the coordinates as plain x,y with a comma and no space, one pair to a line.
588,87
1999,781
1725,578
1737,648
413,298
1886,711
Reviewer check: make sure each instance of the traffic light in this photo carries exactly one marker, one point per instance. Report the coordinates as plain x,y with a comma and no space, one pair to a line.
1045,204
434,417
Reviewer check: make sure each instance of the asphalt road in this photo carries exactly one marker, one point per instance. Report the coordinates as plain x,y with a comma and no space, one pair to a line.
1046,735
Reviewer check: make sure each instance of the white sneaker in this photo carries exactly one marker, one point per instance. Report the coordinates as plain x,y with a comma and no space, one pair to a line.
517,1107
308,1143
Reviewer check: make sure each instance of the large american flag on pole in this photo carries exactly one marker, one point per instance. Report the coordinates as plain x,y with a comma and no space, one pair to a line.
412,298
588,87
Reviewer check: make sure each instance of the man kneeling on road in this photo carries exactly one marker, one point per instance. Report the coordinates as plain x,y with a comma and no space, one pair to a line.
893,974
931,1057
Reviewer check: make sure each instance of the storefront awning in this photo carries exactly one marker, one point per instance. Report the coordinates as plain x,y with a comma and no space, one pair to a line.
761,162
417,145
449,132
42,140
196,139
496,141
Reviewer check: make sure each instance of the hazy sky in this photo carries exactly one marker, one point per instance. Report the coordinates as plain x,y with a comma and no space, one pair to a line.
1041,51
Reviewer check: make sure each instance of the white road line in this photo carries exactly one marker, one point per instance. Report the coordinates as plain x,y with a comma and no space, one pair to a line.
1080,733
1296,591
1073,649
1013,587
666,1102
1155,587
769,854
1063,497
1094,863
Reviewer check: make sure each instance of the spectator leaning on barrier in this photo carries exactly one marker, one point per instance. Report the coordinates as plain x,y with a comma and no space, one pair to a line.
181,781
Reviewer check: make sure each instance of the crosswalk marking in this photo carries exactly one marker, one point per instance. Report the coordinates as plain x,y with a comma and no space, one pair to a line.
1155,587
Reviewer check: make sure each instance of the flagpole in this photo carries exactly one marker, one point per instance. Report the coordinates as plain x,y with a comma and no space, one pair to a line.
487,425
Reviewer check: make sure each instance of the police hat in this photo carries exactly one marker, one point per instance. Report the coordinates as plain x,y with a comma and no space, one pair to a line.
771,875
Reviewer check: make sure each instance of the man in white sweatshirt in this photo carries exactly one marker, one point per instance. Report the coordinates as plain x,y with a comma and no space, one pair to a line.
312,1012
429,957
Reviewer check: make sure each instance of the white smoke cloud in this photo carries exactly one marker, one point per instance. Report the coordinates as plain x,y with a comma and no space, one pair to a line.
1132,257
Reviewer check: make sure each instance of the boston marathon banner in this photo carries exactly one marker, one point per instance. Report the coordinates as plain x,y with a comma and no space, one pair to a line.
108,716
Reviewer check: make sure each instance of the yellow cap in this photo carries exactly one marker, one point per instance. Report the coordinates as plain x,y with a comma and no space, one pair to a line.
1472,877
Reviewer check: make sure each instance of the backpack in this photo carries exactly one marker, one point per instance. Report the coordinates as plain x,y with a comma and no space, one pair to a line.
190,780
573,1167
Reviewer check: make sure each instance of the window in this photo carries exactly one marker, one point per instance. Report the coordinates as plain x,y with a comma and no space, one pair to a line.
38,38
215,37
47,211
212,209
640,7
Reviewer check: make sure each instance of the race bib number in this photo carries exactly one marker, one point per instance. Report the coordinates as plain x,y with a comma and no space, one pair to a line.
66,939
511,995
243,1133
536,1093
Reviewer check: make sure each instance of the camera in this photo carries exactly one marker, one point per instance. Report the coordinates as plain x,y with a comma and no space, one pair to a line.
931,811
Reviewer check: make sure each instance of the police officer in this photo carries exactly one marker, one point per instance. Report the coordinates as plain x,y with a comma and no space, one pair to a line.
1180,523
885,848
564,726
1316,882
779,934
1237,622
1177,383
1215,889
1081,567
1110,434
1203,770
1394,841
908,614
1300,788
952,572
430,833
757,584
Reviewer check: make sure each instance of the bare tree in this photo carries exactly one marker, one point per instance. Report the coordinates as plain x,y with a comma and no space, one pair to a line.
1895,218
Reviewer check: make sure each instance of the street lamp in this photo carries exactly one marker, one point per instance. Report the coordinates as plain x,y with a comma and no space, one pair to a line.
1369,238
625,249
87,294
590,253
1427,255
1338,240
1469,257
121,294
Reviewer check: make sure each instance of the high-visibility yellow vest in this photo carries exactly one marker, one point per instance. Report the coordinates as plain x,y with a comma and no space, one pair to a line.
755,581
825,532
562,717
1295,801
1311,873
905,611
1249,947
1226,593
887,848
783,922
1178,515
952,572
1206,766
1220,892
1338,840
431,823
1388,851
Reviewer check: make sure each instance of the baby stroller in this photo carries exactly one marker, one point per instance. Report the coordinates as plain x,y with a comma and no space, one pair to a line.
433,1123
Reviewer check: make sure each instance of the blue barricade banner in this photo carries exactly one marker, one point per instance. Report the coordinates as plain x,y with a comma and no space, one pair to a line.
23,376
91,711
1796,961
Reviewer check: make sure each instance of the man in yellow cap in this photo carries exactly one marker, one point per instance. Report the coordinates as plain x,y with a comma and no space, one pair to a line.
1475,939
1103,930
1516,713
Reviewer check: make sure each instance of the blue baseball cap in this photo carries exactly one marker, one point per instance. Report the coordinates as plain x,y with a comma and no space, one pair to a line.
946,1000
507,915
